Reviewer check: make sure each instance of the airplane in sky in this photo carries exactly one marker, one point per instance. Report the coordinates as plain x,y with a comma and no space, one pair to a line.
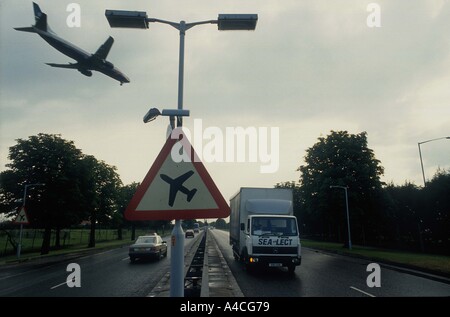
86,62
176,185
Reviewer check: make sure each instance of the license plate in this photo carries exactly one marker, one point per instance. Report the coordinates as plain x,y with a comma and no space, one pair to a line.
275,264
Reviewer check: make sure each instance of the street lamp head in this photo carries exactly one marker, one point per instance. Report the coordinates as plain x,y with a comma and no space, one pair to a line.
151,115
127,19
154,112
175,112
234,22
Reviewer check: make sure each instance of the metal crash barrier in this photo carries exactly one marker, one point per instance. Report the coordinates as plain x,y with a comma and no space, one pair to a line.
195,276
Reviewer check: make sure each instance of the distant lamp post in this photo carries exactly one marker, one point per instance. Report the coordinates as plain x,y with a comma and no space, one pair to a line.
348,217
420,155
19,246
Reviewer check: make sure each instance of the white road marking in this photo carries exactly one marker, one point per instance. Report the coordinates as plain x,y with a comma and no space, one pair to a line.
58,285
365,293
124,259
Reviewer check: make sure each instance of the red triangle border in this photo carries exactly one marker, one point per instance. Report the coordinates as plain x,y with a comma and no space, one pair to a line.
132,214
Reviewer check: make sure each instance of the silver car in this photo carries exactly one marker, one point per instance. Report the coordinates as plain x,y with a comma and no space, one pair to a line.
151,246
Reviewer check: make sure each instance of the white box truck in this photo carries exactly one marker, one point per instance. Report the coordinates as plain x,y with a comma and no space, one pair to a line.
263,228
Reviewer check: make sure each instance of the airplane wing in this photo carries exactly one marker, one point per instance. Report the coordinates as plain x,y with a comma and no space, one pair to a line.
103,50
70,65
181,179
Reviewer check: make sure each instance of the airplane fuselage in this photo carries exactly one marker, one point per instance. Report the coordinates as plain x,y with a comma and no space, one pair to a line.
85,60
176,185
64,47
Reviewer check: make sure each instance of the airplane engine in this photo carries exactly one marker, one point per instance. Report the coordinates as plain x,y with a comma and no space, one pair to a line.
85,72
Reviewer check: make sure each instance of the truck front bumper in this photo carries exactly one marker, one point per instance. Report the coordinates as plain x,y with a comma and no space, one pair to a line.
274,261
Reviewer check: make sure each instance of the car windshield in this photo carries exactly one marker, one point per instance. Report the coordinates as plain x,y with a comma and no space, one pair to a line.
261,226
146,240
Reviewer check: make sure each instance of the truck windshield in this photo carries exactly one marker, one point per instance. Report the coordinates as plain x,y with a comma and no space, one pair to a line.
274,226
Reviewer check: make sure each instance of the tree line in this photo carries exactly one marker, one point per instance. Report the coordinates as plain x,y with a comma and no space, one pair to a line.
384,215
77,187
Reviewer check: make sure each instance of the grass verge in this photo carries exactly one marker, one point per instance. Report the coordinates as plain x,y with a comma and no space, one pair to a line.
439,264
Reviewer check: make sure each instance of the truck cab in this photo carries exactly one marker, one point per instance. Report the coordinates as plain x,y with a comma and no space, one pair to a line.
267,233
272,241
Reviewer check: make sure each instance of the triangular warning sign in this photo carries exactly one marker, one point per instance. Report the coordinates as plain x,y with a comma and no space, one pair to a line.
177,186
22,217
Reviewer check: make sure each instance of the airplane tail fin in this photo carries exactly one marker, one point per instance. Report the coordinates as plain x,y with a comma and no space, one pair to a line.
191,194
41,18
41,21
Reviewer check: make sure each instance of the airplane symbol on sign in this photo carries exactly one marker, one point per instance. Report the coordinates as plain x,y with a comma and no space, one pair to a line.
176,185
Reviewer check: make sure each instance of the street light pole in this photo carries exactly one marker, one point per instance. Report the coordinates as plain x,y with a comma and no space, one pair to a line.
420,155
348,216
182,28
421,164
348,220
139,19
177,249
19,246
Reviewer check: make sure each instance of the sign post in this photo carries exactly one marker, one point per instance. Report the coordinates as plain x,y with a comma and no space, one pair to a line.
177,186
21,219
177,261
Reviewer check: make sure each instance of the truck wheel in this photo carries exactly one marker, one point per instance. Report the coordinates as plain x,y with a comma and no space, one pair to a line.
291,269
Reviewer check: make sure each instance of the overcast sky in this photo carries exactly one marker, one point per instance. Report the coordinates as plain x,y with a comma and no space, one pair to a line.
308,68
